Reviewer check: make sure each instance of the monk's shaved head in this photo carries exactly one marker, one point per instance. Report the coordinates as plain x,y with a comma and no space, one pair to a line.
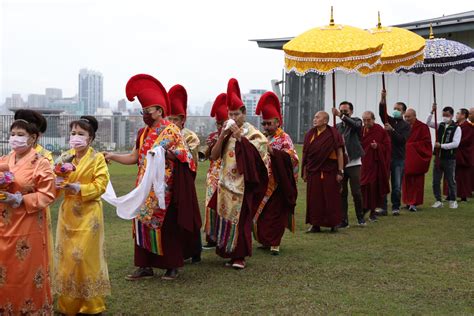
368,117
410,116
320,119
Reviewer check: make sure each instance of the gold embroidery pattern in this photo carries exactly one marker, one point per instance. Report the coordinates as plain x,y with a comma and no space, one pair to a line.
87,289
6,216
3,276
94,224
39,278
28,307
23,249
6,309
77,254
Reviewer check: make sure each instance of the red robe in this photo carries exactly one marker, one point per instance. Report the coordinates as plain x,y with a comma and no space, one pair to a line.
465,161
417,163
323,195
275,217
375,170
251,165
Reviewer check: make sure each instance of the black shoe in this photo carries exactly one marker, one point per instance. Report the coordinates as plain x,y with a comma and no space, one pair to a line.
343,225
373,218
361,222
314,229
196,259
209,246
170,274
140,274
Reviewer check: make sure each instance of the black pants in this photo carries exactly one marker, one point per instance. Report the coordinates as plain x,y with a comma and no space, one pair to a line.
351,175
448,167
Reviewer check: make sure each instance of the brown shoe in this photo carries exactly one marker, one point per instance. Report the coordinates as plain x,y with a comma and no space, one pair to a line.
140,274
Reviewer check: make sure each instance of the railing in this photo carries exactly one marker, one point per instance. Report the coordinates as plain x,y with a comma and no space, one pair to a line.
115,133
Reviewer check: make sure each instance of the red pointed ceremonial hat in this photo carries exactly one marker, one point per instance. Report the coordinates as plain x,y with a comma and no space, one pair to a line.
149,91
178,100
269,106
234,100
219,108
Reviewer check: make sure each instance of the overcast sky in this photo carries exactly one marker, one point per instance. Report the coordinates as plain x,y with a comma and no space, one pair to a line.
199,44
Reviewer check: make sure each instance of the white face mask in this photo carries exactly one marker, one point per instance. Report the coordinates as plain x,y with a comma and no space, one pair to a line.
17,143
446,119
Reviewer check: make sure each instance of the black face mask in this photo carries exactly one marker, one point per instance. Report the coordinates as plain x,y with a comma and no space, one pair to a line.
148,119
345,113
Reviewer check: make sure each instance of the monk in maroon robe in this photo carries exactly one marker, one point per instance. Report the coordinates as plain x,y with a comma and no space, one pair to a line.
471,120
243,180
375,165
276,212
419,151
464,156
323,170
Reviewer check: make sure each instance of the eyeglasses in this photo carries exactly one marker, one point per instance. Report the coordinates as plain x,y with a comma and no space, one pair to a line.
266,123
149,110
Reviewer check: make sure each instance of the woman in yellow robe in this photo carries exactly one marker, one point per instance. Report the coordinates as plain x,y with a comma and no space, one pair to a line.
81,277
24,270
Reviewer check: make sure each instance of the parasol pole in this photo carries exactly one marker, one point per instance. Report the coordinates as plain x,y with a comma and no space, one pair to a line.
434,84
379,26
334,94
331,22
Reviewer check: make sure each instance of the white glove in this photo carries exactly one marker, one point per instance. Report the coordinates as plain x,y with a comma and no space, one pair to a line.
229,123
75,188
14,200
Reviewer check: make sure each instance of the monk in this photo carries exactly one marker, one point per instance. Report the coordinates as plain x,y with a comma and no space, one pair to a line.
178,113
418,157
464,156
219,112
375,165
243,180
160,233
323,171
471,119
276,212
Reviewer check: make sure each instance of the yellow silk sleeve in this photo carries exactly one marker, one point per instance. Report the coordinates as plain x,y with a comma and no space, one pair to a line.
95,189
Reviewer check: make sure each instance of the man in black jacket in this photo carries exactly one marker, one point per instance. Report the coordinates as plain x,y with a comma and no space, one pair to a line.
399,130
350,128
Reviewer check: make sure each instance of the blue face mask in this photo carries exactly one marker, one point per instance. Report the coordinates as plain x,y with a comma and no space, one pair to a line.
397,114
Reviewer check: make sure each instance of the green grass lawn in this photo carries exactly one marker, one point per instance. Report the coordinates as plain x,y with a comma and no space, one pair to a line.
420,263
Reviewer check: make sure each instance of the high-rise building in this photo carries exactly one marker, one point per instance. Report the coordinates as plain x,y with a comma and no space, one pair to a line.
15,101
37,100
251,99
53,94
91,90
122,106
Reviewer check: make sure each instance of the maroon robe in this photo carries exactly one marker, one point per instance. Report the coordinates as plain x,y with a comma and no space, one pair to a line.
419,151
375,170
281,204
464,163
323,196
251,165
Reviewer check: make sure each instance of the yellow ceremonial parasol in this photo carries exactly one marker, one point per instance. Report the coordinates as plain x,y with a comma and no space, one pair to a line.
402,49
325,49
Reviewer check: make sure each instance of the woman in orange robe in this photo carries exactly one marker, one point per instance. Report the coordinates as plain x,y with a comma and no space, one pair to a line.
24,270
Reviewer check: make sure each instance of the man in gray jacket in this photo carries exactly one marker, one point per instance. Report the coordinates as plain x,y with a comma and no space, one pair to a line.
351,128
